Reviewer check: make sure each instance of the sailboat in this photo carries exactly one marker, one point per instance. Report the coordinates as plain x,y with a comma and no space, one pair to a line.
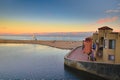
34,37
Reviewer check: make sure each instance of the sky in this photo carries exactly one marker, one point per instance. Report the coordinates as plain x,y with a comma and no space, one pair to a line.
40,16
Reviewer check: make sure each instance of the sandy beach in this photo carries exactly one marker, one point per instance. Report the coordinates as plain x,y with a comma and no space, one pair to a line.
56,43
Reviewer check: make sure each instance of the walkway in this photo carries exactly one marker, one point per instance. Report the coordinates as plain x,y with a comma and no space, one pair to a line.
78,54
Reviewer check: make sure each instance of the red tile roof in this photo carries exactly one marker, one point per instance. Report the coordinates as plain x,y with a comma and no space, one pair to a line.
105,28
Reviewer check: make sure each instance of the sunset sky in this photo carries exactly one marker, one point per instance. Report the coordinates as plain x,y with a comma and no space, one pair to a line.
39,16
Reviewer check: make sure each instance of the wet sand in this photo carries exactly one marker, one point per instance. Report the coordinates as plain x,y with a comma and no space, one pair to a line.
54,43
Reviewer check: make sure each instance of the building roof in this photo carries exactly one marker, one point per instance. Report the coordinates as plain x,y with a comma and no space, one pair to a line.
105,28
115,32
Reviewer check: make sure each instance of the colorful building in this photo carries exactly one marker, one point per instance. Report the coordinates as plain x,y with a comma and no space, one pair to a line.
108,43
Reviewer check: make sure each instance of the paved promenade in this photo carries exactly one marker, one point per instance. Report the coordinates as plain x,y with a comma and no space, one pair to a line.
78,54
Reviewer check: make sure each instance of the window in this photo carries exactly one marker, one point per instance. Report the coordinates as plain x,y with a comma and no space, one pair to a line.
111,57
111,44
105,43
102,39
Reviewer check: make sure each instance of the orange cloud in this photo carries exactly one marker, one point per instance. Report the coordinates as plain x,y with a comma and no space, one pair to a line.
106,20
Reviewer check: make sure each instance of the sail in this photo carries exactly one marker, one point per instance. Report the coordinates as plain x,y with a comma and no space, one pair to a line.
34,37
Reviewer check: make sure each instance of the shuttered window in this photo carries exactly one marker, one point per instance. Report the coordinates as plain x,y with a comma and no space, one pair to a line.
111,44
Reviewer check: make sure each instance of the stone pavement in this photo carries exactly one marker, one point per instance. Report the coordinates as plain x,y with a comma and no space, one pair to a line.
77,54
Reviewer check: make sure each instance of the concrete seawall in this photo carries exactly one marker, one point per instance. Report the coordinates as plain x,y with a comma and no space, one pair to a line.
105,70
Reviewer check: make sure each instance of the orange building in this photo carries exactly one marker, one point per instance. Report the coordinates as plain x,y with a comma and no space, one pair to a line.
87,45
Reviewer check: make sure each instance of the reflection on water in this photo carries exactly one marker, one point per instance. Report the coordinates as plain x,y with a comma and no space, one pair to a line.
32,62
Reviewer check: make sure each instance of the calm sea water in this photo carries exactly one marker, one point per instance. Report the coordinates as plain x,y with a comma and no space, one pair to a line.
36,62
33,62
73,38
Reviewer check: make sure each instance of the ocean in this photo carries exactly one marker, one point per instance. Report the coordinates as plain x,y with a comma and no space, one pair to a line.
34,62
48,37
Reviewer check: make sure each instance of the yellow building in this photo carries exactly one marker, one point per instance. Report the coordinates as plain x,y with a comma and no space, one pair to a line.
108,43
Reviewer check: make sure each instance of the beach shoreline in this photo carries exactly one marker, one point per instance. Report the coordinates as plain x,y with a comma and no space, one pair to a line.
61,44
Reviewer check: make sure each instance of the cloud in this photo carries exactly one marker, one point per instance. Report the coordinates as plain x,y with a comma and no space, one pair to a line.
106,20
119,4
113,11
117,10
